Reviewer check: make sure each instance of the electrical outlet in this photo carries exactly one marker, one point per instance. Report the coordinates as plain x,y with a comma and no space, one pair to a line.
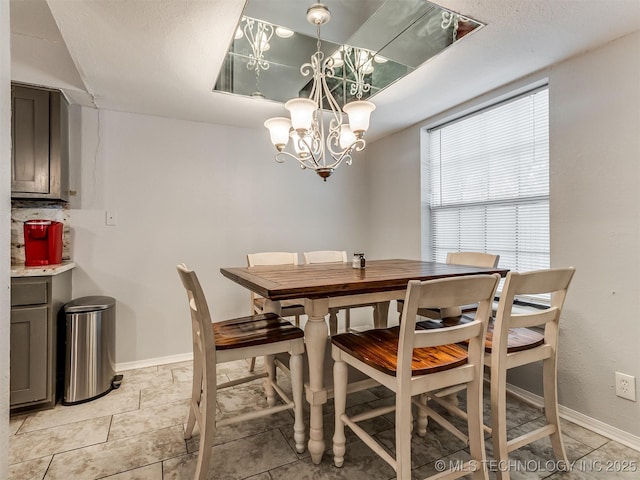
626,386
111,218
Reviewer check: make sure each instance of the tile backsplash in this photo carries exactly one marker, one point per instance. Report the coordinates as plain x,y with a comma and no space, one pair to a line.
23,210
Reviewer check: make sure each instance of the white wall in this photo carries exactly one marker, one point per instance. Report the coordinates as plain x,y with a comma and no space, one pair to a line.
595,220
595,224
196,193
5,231
393,174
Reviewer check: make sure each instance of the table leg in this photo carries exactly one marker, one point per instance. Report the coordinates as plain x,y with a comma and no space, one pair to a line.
381,314
271,306
316,337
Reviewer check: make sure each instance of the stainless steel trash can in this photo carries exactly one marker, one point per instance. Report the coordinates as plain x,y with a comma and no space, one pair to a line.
89,367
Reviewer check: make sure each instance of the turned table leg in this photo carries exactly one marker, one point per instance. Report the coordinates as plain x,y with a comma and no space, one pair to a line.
316,337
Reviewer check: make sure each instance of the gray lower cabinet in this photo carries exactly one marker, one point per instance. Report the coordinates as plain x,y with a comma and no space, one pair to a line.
28,354
36,303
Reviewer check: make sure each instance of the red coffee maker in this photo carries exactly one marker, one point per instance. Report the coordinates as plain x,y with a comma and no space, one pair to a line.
42,242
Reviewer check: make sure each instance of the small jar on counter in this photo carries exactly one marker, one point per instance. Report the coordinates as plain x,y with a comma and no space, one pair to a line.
358,260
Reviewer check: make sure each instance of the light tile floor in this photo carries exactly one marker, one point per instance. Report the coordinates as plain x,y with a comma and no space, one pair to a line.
136,433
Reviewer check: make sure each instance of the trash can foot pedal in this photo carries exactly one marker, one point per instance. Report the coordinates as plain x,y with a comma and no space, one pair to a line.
117,381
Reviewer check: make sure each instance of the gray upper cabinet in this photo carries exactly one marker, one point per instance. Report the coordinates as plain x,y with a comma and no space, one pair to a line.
39,156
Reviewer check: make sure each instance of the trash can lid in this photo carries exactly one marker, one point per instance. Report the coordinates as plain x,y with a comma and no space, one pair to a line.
89,304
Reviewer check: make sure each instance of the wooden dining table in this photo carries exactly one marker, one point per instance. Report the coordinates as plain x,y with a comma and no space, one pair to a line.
331,285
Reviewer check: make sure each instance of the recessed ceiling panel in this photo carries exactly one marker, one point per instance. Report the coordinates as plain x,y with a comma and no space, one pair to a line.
371,49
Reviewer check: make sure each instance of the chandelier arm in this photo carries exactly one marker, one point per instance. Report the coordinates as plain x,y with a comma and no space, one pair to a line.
339,157
280,157
333,103
357,146
313,149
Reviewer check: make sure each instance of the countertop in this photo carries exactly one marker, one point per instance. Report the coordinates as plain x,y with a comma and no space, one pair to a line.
44,270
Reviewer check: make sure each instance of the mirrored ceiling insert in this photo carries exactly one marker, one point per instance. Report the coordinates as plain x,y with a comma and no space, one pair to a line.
372,47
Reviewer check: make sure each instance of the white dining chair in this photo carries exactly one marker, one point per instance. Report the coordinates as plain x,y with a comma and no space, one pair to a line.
518,337
413,362
230,340
289,308
501,357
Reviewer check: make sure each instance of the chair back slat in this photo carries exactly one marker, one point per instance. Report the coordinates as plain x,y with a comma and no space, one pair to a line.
272,258
453,291
534,319
476,259
325,256
443,336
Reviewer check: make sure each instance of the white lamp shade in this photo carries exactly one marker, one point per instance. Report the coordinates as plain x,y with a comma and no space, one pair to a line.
347,137
301,110
337,59
284,32
359,113
279,130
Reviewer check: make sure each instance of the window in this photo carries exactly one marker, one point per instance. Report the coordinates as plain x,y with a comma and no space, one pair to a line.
486,184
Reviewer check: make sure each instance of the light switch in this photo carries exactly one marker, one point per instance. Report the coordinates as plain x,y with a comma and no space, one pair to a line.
111,218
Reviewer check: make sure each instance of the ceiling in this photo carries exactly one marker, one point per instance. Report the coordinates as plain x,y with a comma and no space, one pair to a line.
162,57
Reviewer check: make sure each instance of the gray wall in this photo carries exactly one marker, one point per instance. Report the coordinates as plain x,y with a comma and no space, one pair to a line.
595,224
196,193
595,219
5,231
393,174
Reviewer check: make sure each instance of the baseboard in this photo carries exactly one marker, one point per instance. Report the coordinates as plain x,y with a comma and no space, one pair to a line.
583,420
151,362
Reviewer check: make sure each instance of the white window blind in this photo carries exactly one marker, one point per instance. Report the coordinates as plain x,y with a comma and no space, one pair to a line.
487,184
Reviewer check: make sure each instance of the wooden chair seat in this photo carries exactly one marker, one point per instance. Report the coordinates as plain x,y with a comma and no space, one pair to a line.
379,349
519,338
253,330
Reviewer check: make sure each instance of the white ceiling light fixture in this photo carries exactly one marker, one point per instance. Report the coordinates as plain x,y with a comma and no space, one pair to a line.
314,149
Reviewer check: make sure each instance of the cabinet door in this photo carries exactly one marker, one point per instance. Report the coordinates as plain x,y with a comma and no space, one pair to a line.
28,357
30,140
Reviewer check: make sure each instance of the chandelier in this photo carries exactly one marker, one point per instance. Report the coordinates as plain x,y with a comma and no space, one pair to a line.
315,147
